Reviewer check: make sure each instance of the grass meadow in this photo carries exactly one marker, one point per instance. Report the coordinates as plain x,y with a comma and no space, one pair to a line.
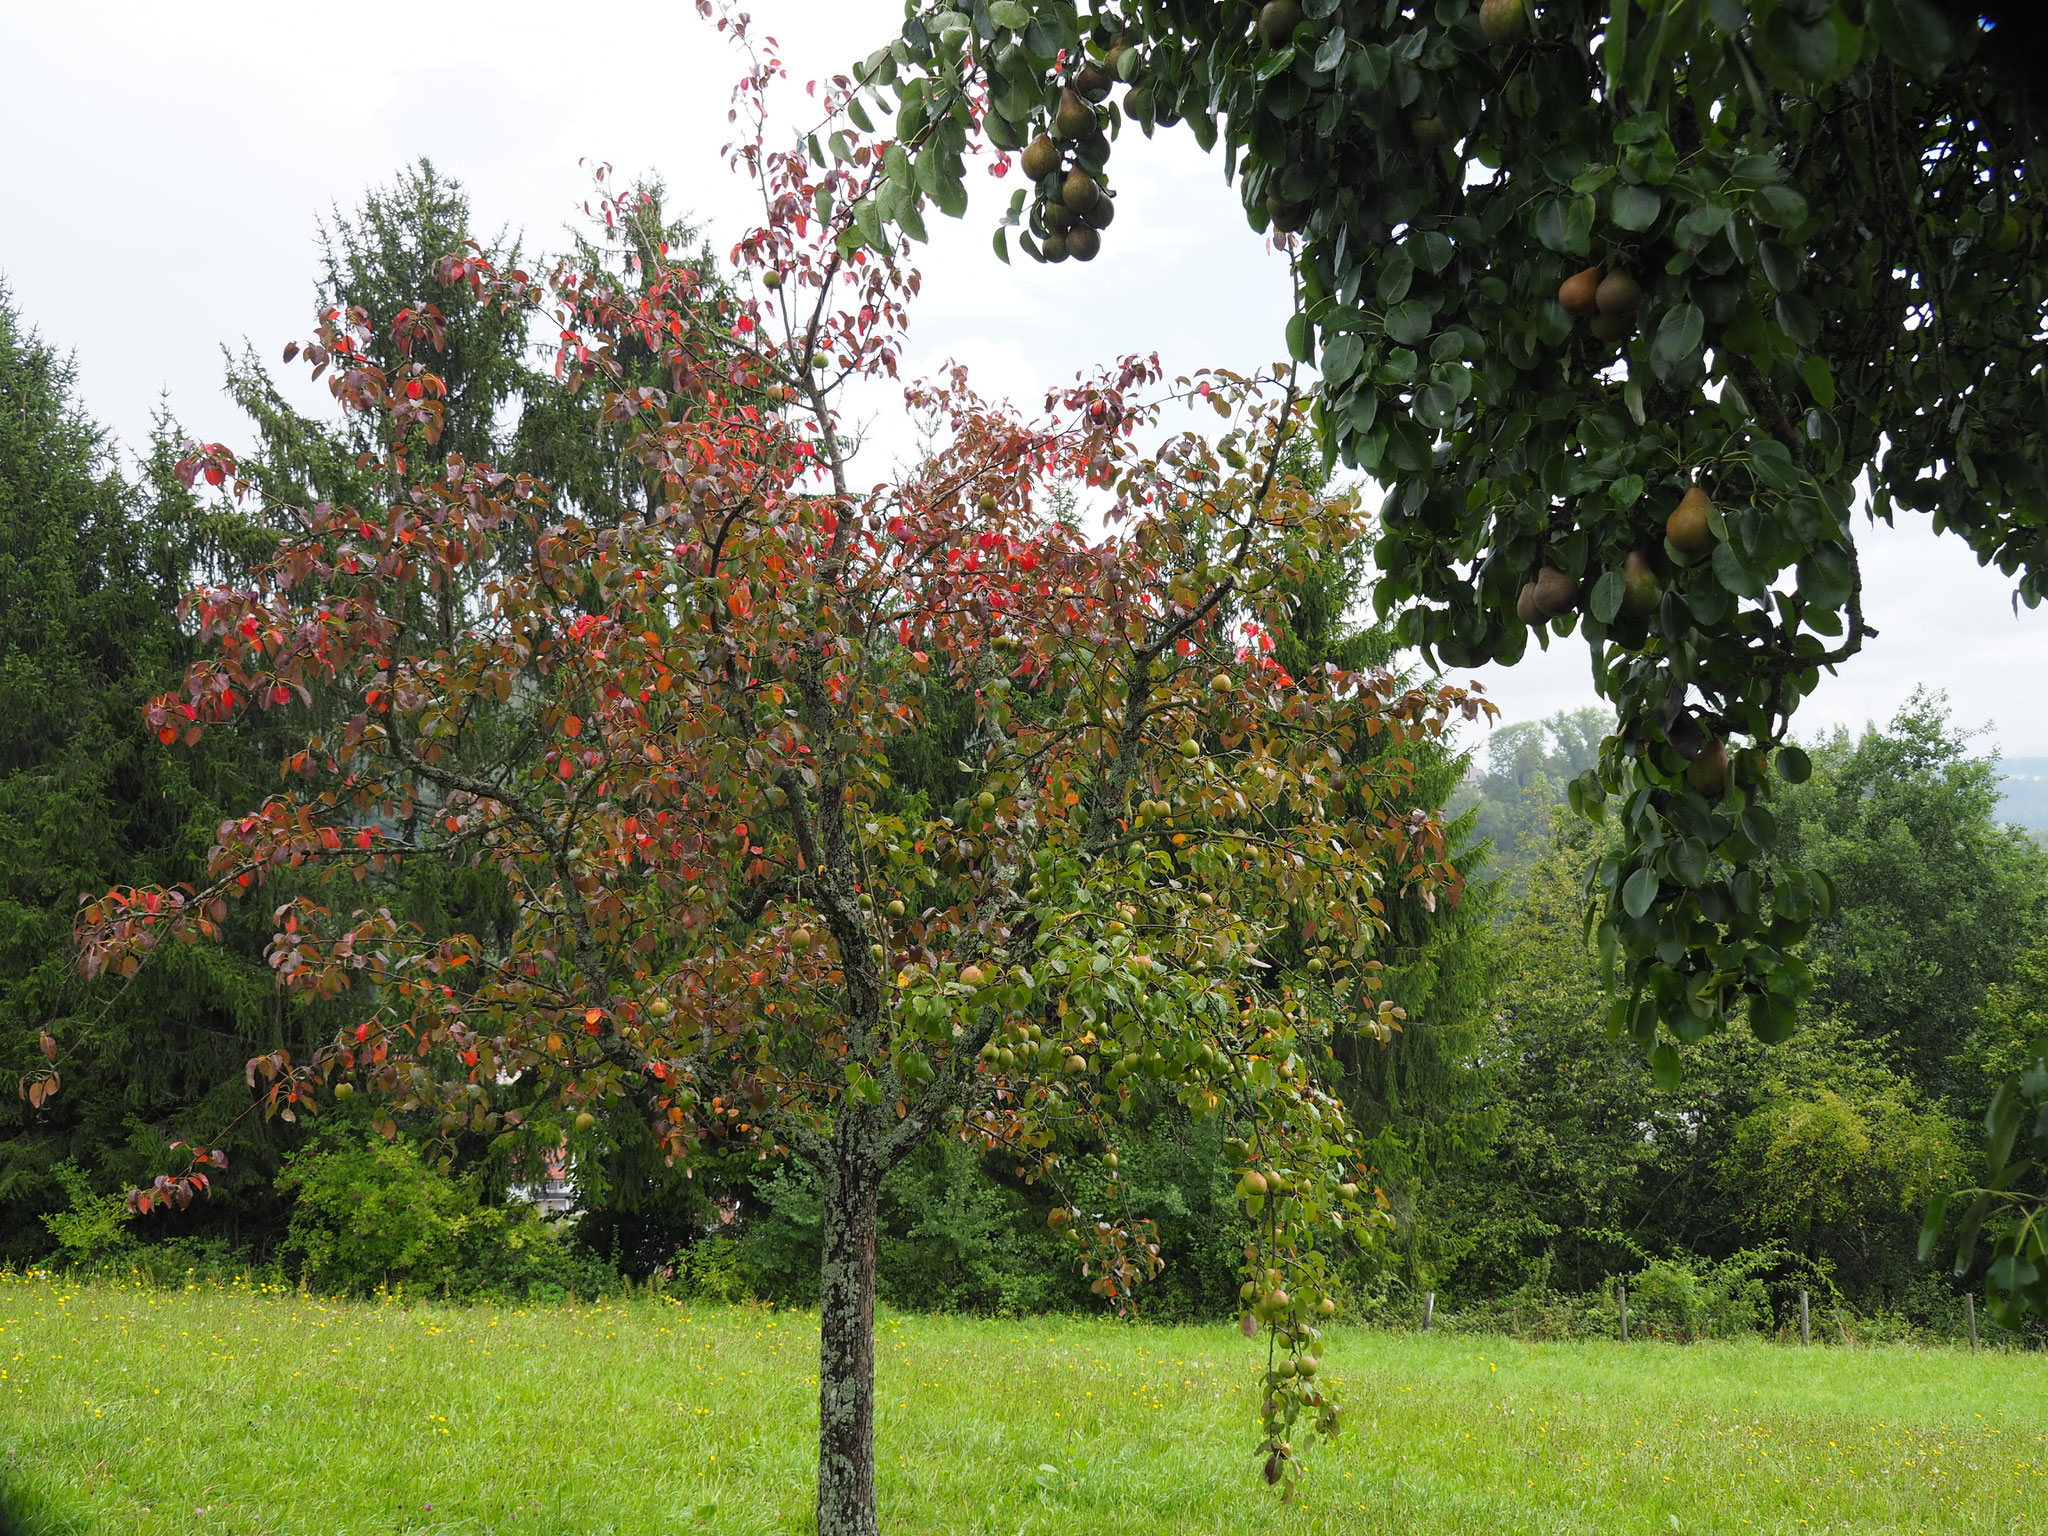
247,1410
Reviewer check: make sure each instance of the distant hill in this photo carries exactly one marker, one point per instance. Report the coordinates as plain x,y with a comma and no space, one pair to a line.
2023,785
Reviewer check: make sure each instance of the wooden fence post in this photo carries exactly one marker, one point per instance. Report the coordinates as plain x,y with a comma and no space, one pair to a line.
1428,1310
1805,1320
1970,1301
1624,1312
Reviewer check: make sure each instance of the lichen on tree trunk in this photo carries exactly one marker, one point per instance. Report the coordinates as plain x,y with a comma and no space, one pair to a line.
846,1348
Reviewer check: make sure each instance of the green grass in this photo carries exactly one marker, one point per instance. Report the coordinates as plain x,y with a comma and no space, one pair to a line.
238,1410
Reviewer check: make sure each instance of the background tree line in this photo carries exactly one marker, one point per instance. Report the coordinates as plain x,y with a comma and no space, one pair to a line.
1529,1156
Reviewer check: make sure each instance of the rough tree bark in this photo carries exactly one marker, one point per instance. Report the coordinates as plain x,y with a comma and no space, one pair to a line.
846,1340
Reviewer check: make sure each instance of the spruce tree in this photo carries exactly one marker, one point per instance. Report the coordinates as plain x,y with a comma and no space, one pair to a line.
91,567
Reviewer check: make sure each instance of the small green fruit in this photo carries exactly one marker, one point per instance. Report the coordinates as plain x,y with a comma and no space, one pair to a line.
1504,21
1619,295
771,280
1610,328
1641,590
1284,216
1579,293
1708,773
344,1090
1687,527
1041,158
1434,130
1555,592
986,800
1075,118
1083,243
585,1120
1277,21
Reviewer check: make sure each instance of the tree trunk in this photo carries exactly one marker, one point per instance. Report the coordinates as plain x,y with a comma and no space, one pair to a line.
846,1354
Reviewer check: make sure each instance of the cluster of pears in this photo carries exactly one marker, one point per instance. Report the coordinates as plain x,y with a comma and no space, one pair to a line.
1606,301
1028,1044
1551,592
1546,595
1073,207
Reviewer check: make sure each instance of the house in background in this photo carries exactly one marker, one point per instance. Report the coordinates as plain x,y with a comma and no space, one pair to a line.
551,1193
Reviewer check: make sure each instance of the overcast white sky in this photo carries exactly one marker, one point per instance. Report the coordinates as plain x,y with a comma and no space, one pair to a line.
164,167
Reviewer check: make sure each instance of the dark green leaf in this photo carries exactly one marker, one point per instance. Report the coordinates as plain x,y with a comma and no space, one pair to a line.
1931,1224
1397,271
1341,357
1666,1069
1914,33
1781,265
1299,346
1820,380
1408,322
1607,595
1679,333
1733,574
1634,207
2001,1124
1640,894
1781,206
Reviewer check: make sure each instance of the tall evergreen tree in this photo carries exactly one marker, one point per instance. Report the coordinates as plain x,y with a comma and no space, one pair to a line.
91,567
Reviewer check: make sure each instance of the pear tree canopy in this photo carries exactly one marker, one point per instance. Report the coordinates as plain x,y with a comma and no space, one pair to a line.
1627,304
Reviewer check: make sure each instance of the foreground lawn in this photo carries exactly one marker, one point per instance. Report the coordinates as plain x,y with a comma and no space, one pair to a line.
127,1410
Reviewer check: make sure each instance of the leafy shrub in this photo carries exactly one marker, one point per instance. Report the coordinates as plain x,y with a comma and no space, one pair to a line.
949,1238
711,1268
1686,1299
374,1215
95,1227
